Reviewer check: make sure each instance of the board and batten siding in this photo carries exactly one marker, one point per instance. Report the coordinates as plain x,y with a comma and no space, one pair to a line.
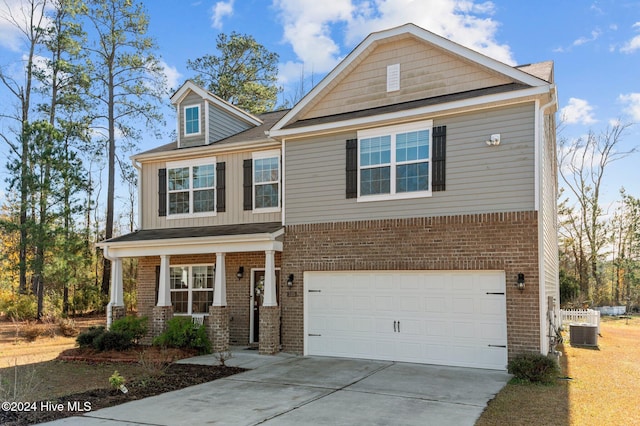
425,72
479,178
234,214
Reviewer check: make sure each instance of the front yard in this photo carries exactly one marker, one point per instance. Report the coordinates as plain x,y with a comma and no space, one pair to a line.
603,387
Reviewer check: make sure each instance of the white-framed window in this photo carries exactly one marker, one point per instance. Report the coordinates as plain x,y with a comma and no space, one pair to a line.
191,188
191,115
395,162
266,181
191,288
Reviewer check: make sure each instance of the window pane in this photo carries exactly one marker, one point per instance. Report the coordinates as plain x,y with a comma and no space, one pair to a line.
265,170
412,146
203,176
375,181
179,179
178,202
204,201
202,277
178,277
267,195
180,301
375,151
412,177
202,299
192,120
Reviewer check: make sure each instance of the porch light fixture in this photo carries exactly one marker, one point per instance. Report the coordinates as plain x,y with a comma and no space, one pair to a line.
290,280
520,283
240,272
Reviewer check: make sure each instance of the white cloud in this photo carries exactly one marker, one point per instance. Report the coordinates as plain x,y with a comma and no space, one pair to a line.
632,101
595,34
633,44
172,74
308,25
14,18
220,10
577,111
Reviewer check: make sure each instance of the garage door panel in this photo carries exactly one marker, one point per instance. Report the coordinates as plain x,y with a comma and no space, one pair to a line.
445,317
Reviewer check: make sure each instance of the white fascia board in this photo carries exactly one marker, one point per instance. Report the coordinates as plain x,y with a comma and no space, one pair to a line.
196,245
182,92
207,150
480,102
420,33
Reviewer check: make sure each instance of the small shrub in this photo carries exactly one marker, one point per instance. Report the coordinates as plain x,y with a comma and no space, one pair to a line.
68,327
31,331
112,341
21,307
86,338
181,333
131,326
534,368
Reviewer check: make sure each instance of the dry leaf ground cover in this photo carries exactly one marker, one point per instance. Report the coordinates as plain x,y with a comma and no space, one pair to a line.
604,386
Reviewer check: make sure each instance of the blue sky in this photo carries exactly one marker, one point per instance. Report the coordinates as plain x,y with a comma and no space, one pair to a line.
595,46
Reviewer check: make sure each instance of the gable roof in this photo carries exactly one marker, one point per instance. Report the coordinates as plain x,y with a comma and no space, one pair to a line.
520,77
190,86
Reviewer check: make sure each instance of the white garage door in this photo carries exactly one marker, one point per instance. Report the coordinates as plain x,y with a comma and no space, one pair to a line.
435,317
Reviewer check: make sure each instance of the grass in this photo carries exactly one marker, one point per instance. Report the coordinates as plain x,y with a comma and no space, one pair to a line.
604,385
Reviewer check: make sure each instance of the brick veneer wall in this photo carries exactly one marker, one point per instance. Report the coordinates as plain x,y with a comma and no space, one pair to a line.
238,290
494,241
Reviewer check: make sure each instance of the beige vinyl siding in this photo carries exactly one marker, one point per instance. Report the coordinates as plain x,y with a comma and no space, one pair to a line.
222,124
425,71
234,192
479,178
549,209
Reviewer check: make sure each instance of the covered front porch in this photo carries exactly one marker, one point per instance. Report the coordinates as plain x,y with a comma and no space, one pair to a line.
226,277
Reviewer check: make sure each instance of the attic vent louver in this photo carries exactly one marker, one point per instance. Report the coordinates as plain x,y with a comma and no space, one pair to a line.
393,77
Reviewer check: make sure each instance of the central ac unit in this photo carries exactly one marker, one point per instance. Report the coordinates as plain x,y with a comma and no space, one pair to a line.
583,334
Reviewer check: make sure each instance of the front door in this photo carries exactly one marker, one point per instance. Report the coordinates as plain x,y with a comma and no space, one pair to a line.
257,296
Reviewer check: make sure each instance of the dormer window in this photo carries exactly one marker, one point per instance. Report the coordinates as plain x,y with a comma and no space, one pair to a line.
192,120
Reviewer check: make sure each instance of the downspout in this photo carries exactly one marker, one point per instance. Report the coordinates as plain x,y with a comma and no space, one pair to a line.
542,294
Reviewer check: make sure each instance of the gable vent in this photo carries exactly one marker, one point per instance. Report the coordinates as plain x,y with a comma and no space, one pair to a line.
393,77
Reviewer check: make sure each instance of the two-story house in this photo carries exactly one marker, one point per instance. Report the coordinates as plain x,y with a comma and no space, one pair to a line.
403,210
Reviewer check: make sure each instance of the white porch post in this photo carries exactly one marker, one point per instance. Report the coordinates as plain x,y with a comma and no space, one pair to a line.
270,279
220,283
116,294
164,287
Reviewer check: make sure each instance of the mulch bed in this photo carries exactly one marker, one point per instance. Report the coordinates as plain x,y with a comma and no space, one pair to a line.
172,377
137,353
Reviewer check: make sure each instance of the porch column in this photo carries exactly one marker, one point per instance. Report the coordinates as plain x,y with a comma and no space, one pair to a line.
270,279
220,283
164,287
163,311
115,308
218,319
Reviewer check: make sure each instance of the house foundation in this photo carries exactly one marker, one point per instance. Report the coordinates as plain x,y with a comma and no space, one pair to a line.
218,328
269,330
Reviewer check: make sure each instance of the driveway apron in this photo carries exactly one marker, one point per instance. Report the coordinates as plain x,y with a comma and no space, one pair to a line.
288,390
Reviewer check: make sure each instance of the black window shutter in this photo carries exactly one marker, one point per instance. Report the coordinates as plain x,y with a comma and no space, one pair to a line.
221,192
162,192
352,168
438,159
247,172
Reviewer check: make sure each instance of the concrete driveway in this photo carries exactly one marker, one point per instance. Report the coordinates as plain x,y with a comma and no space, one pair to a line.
289,390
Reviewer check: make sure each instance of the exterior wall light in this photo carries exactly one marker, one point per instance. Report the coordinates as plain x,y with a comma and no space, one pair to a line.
290,280
240,272
520,283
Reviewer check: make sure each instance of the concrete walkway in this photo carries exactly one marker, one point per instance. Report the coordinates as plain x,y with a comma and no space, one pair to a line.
290,390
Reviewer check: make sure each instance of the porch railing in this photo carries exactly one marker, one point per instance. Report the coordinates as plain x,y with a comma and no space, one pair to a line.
580,316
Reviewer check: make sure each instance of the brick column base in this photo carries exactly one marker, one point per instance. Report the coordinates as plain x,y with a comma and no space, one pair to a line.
269,330
161,314
118,312
218,328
